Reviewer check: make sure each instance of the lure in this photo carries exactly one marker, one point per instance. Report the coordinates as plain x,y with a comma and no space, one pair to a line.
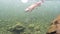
31,7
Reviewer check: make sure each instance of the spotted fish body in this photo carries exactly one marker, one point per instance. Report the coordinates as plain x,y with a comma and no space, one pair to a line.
55,27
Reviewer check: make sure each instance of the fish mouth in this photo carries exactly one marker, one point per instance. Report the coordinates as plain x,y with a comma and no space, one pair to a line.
52,32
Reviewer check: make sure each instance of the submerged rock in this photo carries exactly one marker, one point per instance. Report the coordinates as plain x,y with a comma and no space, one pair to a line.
16,29
31,26
37,28
37,32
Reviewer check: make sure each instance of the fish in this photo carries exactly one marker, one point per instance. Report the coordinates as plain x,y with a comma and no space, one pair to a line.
33,6
52,29
55,27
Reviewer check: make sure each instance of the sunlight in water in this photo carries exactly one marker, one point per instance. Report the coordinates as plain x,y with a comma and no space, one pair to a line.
24,1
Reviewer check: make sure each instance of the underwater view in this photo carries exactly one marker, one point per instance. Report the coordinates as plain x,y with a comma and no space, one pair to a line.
15,20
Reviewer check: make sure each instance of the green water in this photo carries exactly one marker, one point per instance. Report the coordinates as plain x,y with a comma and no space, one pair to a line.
12,11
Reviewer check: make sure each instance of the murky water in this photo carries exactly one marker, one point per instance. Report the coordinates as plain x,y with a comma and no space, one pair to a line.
12,11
